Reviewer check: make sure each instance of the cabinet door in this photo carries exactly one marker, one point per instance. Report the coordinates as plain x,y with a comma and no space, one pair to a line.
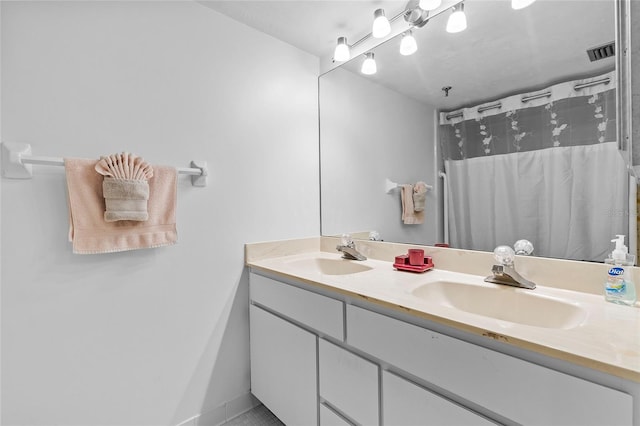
283,368
349,383
406,404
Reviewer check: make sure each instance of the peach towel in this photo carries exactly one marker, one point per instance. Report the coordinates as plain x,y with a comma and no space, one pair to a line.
90,233
409,215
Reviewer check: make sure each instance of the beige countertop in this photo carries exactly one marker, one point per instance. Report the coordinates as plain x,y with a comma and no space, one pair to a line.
605,337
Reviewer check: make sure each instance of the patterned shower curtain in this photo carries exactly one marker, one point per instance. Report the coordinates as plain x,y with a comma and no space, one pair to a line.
546,170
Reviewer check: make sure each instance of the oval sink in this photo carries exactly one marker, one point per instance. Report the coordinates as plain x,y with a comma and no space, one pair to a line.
329,266
504,303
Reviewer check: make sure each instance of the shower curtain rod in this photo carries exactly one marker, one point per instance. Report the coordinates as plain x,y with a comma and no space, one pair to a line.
496,105
527,98
17,161
605,80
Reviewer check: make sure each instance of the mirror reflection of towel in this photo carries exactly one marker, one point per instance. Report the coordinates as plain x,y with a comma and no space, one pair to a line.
409,215
419,196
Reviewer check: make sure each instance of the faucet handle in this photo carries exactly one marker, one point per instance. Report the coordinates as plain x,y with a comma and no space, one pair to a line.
504,255
347,241
523,247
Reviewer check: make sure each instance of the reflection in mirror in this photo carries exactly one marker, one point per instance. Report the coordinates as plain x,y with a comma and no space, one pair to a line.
370,134
545,169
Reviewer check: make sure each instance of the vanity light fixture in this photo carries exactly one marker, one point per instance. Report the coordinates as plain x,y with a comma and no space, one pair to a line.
408,45
457,20
369,64
521,4
429,4
381,25
342,53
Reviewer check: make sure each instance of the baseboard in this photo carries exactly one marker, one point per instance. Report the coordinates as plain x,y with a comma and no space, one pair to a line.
223,413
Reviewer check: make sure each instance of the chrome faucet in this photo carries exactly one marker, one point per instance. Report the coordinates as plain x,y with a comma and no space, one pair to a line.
348,249
505,272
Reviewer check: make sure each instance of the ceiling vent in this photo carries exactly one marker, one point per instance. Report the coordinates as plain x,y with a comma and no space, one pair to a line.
601,52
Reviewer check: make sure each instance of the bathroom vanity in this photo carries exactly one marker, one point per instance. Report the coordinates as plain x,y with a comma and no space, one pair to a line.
338,342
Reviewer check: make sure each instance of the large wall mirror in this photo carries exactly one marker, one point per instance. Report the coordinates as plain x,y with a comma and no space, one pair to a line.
525,133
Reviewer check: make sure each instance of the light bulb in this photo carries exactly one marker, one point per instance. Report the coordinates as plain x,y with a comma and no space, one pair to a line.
342,53
408,45
521,4
369,64
381,26
457,20
429,4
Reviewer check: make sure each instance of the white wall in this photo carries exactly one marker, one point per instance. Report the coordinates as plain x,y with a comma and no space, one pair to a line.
150,337
370,133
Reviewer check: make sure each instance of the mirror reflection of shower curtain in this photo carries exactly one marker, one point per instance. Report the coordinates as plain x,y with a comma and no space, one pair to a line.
546,169
569,202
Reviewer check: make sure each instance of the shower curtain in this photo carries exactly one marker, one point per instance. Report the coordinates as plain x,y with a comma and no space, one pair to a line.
547,170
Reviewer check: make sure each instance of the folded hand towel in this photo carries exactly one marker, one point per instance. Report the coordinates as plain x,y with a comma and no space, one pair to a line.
409,215
419,196
88,230
125,199
125,186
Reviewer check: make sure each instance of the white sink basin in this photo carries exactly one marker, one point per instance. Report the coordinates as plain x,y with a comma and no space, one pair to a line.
329,266
504,303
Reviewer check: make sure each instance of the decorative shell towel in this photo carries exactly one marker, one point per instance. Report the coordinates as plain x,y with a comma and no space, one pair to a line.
409,215
89,230
125,187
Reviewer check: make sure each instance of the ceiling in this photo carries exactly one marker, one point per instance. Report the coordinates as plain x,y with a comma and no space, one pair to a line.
501,52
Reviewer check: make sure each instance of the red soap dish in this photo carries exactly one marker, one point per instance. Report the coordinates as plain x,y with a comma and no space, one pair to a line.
411,268
402,264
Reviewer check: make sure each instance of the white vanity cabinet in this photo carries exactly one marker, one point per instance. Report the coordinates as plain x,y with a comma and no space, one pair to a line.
318,359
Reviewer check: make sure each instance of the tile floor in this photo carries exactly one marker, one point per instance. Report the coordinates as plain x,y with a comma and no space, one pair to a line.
258,416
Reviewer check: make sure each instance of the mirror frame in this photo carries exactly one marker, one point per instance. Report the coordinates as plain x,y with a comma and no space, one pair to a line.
623,73
628,132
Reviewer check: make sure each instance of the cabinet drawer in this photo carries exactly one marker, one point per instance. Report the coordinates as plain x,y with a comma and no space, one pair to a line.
406,404
349,383
329,418
319,312
519,390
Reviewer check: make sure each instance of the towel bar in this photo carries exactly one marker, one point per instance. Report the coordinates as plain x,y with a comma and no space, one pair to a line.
390,186
17,161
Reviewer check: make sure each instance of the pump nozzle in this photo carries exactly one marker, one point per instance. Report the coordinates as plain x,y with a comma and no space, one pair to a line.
620,252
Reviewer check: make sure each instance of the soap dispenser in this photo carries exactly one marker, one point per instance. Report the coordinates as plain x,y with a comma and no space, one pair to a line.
619,287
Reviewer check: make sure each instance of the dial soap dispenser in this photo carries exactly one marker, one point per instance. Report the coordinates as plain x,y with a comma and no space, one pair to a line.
619,287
